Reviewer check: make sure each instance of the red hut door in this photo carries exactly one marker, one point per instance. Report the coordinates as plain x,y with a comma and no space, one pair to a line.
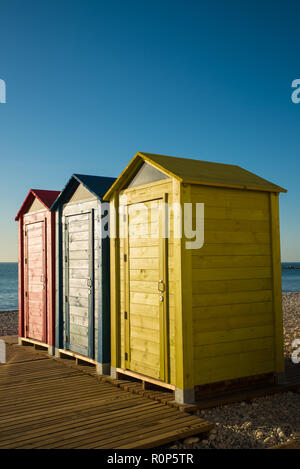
35,280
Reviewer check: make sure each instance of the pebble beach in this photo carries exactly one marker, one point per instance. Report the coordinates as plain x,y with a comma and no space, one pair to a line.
8,323
261,423
266,421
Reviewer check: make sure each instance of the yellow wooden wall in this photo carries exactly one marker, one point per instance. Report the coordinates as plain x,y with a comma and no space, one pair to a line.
233,305
140,193
224,315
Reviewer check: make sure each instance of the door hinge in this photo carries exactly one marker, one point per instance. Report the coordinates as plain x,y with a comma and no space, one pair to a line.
126,356
25,260
66,339
66,258
125,314
26,328
125,257
25,233
66,299
26,294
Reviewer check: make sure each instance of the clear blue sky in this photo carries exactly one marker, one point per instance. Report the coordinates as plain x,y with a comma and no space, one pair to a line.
90,83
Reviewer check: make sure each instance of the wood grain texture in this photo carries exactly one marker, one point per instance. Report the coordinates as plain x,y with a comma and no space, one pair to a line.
50,405
233,286
152,360
220,296
38,272
82,260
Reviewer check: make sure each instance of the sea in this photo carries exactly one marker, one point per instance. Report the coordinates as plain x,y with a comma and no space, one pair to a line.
8,286
9,282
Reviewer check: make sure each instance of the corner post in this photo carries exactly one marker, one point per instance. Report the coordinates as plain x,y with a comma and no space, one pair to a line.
114,281
103,353
184,392
21,277
59,281
277,293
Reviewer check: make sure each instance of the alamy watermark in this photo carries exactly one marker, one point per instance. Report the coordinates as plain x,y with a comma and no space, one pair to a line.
295,96
155,219
2,91
296,352
2,351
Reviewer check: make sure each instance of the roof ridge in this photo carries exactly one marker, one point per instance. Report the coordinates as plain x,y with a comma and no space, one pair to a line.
189,159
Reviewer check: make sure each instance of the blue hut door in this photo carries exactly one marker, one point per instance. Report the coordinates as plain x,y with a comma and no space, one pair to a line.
79,283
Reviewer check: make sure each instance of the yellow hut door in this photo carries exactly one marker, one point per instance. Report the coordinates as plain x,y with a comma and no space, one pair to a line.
145,272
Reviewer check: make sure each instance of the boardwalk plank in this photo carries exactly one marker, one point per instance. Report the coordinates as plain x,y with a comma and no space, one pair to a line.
46,404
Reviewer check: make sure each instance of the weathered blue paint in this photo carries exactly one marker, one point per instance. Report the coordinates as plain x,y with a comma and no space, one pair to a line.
97,185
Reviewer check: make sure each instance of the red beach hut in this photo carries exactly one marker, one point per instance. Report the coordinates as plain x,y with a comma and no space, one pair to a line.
37,269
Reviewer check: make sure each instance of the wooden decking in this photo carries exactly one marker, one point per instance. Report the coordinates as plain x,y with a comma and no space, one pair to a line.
45,404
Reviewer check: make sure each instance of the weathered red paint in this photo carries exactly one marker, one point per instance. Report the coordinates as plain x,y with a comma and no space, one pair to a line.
37,268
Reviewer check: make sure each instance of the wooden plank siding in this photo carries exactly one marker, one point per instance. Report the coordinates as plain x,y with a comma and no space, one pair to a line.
39,275
83,283
144,274
81,241
232,285
222,317
36,267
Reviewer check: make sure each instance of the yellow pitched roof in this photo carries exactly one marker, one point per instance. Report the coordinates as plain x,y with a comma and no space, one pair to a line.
199,172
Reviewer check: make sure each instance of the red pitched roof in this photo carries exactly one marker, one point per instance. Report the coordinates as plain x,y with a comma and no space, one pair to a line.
45,197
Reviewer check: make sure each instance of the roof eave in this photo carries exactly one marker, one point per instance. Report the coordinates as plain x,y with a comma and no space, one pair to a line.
276,189
60,198
67,190
121,178
77,177
31,194
118,183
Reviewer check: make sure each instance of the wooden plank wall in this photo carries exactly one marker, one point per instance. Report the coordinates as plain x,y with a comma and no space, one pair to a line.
232,286
48,220
139,194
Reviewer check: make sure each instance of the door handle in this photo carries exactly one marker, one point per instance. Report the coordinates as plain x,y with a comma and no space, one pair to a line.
161,286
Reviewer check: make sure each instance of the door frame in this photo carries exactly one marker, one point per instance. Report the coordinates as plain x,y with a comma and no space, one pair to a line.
163,273
43,221
91,278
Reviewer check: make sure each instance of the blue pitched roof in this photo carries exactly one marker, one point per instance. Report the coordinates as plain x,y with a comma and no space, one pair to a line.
97,185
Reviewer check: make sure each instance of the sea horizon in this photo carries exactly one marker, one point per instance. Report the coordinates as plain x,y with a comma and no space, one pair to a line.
9,282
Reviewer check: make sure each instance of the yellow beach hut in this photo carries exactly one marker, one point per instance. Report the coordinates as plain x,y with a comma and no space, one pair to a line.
195,275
